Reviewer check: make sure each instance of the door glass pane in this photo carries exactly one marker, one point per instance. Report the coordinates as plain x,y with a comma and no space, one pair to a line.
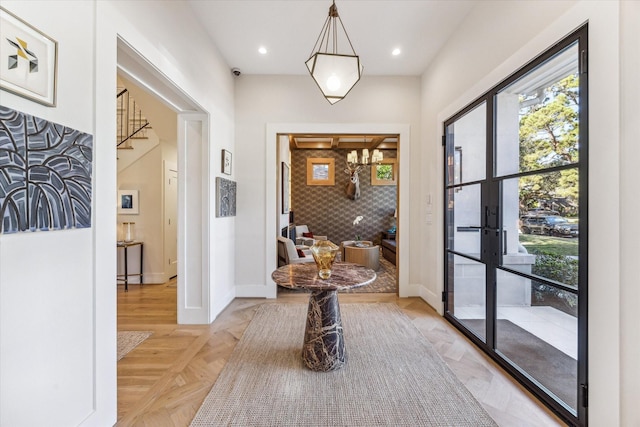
539,335
544,238
537,117
520,272
466,147
464,214
467,293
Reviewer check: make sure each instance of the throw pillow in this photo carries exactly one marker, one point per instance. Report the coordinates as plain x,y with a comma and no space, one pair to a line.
300,253
309,235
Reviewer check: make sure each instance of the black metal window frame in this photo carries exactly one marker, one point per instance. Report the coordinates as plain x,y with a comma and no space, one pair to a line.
579,417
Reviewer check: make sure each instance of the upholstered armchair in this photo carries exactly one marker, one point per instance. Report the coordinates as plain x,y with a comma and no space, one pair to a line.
301,239
288,253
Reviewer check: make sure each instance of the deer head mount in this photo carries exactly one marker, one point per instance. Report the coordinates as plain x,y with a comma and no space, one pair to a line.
352,189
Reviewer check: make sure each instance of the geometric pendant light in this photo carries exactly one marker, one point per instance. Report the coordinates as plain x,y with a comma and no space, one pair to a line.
335,73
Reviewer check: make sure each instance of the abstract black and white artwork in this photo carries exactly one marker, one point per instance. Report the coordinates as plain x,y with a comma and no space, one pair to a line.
45,174
225,197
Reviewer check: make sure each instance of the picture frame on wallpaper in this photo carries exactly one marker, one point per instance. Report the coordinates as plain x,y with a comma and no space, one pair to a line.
128,202
226,162
285,188
29,61
321,171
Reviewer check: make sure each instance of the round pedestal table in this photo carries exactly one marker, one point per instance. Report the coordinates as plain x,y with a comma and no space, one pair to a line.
323,348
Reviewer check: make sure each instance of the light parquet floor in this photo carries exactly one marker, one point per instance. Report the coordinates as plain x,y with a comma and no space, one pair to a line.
164,380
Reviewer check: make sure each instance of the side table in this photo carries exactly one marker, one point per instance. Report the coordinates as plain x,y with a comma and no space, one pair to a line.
125,277
323,349
369,256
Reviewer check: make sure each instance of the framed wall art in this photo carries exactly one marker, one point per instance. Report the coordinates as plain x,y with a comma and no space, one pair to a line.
45,174
321,171
225,197
128,202
226,162
28,62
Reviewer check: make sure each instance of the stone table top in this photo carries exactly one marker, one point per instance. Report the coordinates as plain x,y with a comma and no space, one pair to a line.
344,275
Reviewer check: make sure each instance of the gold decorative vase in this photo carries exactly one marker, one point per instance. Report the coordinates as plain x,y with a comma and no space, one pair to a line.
324,253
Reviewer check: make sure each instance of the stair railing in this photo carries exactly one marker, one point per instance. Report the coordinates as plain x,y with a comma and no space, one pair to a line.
130,119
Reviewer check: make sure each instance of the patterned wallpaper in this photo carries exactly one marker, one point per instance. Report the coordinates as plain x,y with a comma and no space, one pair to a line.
327,210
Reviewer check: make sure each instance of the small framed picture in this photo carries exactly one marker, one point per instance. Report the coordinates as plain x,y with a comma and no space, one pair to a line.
29,60
321,171
226,162
128,202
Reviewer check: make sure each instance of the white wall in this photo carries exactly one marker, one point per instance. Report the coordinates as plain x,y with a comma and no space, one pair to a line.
145,175
629,209
57,289
496,39
264,100
47,287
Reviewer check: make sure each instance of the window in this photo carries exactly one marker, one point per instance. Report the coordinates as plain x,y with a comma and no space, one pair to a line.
384,173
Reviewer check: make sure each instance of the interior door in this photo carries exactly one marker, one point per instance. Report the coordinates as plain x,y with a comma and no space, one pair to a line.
171,219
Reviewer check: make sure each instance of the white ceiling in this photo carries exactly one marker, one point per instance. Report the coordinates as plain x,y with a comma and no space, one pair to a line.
289,29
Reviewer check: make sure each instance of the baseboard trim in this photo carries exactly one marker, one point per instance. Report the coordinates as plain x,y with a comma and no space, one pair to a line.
218,307
256,291
431,298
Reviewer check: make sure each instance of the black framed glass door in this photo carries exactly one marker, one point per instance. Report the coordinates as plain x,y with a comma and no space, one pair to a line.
516,225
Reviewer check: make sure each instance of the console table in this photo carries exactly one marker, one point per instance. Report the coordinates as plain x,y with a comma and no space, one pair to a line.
125,277
323,348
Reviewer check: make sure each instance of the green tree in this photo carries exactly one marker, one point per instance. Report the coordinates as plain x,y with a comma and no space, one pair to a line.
384,172
549,136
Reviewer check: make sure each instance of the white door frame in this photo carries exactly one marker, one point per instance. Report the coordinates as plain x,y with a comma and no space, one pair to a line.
193,305
272,208
193,219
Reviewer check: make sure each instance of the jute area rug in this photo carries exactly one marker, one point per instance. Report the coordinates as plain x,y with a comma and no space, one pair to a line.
393,376
128,340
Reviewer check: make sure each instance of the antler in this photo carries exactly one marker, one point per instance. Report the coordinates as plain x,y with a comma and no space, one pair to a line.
353,168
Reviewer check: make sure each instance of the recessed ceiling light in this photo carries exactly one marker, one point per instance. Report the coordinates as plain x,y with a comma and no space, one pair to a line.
262,50
396,52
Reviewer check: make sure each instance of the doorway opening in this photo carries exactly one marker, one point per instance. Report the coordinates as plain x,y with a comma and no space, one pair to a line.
181,156
277,138
352,200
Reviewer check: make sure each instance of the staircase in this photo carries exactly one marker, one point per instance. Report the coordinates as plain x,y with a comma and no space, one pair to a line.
134,137
131,124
